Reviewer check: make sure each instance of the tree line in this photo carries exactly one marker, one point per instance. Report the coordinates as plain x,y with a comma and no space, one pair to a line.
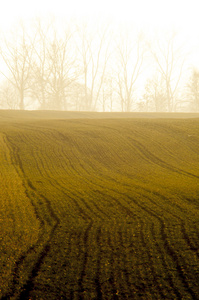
94,68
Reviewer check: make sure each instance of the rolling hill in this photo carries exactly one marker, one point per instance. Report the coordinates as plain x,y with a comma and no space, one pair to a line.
99,206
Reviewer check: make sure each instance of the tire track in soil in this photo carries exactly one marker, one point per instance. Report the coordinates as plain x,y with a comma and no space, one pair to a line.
158,161
180,220
174,258
111,279
125,271
188,240
85,260
81,211
94,184
29,285
150,259
16,159
97,277
189,243
170,251
79,196
139,288
181,223
165,265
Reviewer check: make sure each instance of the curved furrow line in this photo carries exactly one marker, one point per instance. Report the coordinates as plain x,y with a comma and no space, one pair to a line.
28,286
98,265
192,247
85,259
169,212
78,194
79,197
94,183
149,156
158,161
102,194
67,253
173,204
180,221
75,192
101,211
119,278
74,288
137,191
48,203
111,279
186,237
175,259
125,209
67,193
170,133
165,265
66,164
16,160
18,264
131,290
150,261
170,251
89,208
173,133
91,181
85,216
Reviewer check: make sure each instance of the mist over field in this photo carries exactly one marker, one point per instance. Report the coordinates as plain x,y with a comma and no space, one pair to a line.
106,57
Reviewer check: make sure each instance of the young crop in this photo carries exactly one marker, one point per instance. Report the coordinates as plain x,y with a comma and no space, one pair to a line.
99,208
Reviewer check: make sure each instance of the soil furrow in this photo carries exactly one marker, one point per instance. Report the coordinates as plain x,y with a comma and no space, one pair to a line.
84,259
154,159
169,249
97,276
35,269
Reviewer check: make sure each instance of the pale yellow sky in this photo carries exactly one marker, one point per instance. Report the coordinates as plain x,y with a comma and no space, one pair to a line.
182,15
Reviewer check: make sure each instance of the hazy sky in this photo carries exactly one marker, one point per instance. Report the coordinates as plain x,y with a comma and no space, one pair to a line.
162,13
181,15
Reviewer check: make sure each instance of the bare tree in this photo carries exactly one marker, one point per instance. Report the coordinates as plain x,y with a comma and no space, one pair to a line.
154,97
108,93
17,56
129,60
193,91
170,62
41,72
54,66
8,97
94,55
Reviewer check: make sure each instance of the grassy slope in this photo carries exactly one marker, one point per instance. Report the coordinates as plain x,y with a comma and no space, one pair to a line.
99,208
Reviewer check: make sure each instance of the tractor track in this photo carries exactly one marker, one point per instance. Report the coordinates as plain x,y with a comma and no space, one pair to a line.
29,285
92,214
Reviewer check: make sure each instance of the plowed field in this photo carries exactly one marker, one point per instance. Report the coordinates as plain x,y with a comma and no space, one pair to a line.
103,208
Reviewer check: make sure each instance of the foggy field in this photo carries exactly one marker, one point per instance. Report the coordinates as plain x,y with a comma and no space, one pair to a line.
99,206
